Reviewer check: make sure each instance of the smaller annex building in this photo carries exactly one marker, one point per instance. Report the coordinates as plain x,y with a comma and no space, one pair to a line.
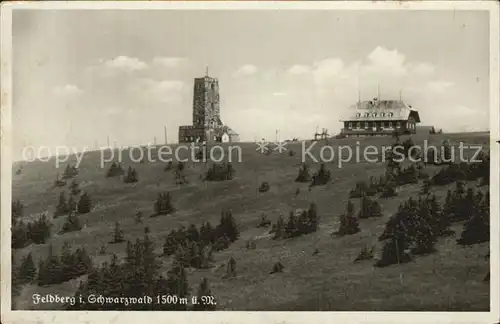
380,117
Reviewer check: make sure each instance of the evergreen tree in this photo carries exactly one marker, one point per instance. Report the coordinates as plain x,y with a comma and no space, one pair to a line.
279,230
72,204
20,235
360,190
304,175
163,204
205,299
231,268
39,230
264,186
425,232
477,227
17,211
227,226
115,170
393,252
177,284
62,205
441,221
369,208
322,177
220,172
292,227
313,218
348,222
117,234
27,270
170,245
193,234
131,175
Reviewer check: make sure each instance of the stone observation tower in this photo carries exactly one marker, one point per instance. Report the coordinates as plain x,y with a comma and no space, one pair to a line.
207,125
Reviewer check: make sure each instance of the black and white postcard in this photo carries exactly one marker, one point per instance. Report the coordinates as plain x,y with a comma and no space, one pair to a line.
275,162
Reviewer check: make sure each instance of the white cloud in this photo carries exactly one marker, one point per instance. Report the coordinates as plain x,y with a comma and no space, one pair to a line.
163,90
423,69
170,62
387,61
247,69
439,86
125,63
327,69
299,69
68,90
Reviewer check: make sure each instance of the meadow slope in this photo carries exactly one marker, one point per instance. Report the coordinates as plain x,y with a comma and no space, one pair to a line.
449,280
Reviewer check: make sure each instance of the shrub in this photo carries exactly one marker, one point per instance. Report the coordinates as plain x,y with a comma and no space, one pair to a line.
117,234
322,177
302,223
303,174
220,172
277,267
131,176
115,170
369,208
163,204
264,187
84,204
477,227
62,207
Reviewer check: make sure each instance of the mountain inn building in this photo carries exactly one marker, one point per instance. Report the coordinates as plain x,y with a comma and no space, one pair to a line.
380,117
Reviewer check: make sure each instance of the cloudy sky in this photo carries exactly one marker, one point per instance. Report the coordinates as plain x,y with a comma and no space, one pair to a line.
79,76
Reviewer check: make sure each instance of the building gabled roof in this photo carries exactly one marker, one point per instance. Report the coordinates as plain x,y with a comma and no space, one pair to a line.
381,110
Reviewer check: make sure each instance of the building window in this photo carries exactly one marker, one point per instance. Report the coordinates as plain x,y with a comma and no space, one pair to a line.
390,114
398,124
350,125
358,115
358,125
390,124
366,125
367,115
382,114
374,115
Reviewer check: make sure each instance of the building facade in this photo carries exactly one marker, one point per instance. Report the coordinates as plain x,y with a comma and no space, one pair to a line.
207,124
380,117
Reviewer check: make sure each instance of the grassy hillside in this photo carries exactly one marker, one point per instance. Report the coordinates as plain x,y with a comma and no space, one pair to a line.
449,280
